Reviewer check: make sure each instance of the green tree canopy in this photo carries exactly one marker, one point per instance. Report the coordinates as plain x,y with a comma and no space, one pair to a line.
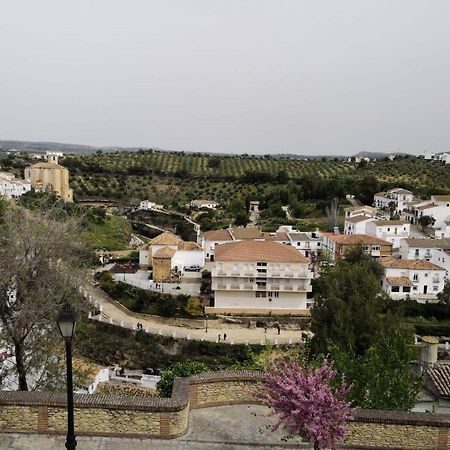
348,303
381,378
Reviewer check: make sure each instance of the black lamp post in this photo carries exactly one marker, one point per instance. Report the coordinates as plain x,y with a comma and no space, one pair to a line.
66,321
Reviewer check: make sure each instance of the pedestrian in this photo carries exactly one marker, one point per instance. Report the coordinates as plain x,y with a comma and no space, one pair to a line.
137,326
218,338
278,328
224,336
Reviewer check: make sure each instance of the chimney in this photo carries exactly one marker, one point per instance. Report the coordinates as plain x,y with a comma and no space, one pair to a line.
335,230
429,353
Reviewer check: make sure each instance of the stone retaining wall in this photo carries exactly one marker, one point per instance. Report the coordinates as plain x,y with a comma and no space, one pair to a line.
45,412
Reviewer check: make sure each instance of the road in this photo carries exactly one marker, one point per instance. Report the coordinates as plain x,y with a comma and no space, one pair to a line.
112,312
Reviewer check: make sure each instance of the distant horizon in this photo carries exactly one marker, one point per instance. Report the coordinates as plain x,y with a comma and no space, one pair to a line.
158,148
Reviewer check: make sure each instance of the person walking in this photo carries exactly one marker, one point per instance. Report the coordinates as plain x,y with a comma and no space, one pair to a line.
218,338
278,328
224,336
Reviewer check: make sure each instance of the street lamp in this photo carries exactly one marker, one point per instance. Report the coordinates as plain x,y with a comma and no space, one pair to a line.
66,321
206,322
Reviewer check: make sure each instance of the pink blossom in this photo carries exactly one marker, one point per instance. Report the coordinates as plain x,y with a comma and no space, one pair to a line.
306,403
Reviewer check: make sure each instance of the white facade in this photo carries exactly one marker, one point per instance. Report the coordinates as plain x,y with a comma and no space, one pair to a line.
441,258
11,187
209,204
420,279
398,196
364,210
147,205
308,243
263,284
437,207
185,258
356,224
392,231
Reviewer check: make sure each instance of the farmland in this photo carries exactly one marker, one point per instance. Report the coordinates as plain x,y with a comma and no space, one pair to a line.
176,177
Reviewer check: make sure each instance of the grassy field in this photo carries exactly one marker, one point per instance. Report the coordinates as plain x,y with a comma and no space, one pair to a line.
113,234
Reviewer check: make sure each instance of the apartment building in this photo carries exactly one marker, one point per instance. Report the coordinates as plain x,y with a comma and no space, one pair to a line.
438,207
335,246
260,277
210,239
398,196
418,278
363,210
356,224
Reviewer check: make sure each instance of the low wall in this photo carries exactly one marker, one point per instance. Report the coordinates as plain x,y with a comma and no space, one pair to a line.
45,412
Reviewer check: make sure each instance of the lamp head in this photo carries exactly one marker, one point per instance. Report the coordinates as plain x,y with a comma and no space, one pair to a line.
66,321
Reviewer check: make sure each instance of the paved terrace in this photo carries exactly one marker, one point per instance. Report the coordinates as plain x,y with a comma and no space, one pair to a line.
114,313
237,427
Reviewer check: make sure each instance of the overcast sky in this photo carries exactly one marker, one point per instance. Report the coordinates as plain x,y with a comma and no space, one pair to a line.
262,76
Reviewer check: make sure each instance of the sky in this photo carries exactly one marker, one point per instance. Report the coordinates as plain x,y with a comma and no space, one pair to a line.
237,76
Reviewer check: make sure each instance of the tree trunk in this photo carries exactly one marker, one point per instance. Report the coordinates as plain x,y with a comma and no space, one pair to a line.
21,373
316,446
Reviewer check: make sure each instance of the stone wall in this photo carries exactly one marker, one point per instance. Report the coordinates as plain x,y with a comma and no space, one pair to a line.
168,418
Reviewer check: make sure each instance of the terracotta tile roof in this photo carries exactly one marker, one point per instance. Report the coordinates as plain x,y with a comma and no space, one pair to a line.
46,165
247,233
357,208
390,222
428,243
217,235
299,236
441,198
358,218
438,379
187,246
354,239
268,251
380,194
166,238
164,253
399,281
427,206
281,236
415,264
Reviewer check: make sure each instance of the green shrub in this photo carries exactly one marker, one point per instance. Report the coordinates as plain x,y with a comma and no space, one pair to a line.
182,369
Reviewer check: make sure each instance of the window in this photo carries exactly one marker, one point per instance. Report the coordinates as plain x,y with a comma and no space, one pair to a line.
406,288
435,288
260,294
395,289
261,264
416,277
416,252
414,288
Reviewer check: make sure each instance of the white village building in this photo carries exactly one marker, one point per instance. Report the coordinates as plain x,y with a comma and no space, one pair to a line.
418,278
12,187
392,231
308,243
398,196
260,277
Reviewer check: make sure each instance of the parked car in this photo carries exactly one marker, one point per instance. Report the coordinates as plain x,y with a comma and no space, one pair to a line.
193,268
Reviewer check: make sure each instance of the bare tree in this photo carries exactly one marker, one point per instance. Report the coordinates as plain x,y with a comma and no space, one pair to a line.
332,212
40,270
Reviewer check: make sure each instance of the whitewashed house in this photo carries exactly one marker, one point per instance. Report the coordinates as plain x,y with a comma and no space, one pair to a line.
12,187
398,196
356,224
308,243
260,277
389,230
182,253
363,210
208,204
418,278
438,207
413,248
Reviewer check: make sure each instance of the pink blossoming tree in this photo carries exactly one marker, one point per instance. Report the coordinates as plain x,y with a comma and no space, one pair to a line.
306,402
